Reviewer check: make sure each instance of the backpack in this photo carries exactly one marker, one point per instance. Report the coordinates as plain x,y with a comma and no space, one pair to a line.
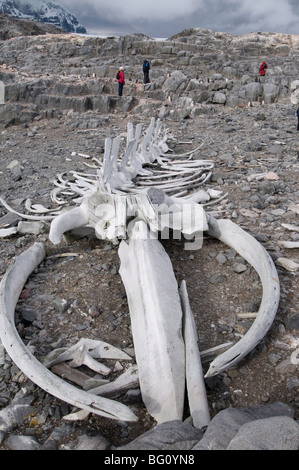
117,76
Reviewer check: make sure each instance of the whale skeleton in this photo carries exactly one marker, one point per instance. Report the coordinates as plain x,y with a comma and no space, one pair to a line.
164,333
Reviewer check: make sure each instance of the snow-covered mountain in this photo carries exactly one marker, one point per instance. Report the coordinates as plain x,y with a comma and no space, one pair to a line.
44,11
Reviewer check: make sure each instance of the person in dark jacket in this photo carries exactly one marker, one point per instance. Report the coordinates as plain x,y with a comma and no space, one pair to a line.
121,81
298,118
146,69
263,68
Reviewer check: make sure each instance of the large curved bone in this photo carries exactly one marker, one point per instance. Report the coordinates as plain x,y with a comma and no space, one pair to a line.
69,220
156,318
10,289
251,250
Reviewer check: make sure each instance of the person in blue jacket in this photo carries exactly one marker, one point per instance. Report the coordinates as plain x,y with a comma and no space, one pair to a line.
146,69
298,118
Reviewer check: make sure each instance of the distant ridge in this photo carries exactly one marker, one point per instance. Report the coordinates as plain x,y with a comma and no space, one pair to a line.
12,27
45,12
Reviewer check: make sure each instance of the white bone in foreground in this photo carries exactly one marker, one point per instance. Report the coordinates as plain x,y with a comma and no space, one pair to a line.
10,288
156,318
197,396
251,250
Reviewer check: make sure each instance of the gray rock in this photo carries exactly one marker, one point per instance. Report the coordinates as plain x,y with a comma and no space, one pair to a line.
275,433
253,91
217,279
56,437
86,442
219,98
271,92
13,415
225,425
266,187
221,258
239,268
14,442
293,322
172,435
222,428
61,305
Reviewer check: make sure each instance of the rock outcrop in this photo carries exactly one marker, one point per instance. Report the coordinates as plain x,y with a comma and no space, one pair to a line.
188,71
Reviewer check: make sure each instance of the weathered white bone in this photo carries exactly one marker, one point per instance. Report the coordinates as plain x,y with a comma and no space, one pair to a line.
156,318
25,216
293,228
145,276
10,288
288,244
287,264
251,250
294,208
129,379
38,208
208,354
7,232
71,219
197,396
95,349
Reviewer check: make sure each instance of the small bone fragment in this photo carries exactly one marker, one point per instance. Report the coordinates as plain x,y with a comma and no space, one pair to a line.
94,348
197,396
77,416
10,288
129,379
287,264
293,228
82,357
247,315
271,176
37,208
156,318
287,244
208,354
294,208
7,232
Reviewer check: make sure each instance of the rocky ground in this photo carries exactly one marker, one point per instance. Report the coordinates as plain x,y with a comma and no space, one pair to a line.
223,288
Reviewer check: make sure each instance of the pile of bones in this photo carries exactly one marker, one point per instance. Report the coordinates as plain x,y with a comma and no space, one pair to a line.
129,197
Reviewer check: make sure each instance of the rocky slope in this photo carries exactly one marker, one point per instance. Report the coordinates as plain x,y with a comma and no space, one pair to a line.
61,102
188,71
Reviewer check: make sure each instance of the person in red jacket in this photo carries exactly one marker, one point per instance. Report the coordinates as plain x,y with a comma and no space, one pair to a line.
263,68
121,81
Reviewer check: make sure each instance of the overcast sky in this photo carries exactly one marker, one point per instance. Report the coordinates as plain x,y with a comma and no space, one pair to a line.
164,18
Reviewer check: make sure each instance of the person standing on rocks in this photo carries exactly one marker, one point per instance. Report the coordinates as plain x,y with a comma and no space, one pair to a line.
121,80
146,69
298,118
263,68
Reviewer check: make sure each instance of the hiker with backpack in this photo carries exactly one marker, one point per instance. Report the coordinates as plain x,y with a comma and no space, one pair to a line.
146,69
121,80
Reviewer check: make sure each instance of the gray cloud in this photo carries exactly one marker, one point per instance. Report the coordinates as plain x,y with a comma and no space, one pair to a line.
164,18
